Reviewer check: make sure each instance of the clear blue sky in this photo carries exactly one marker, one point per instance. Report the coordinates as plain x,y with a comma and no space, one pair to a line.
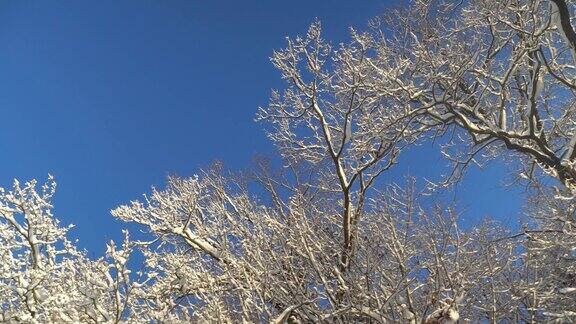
112,96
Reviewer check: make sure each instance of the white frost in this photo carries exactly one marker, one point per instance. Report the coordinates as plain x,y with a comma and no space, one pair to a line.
567,290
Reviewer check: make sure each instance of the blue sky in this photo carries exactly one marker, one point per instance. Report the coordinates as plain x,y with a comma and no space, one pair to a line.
112,96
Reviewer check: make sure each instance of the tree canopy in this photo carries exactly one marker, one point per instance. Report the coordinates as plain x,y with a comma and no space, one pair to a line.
321,239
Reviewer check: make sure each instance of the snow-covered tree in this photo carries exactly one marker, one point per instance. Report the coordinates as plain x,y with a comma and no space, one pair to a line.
322,239
499,75
43,276
219,255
